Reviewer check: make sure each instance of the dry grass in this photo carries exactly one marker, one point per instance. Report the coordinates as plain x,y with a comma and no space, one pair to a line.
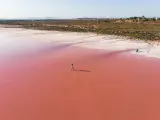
146,30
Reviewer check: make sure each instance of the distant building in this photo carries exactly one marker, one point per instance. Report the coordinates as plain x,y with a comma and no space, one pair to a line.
138,19
156,18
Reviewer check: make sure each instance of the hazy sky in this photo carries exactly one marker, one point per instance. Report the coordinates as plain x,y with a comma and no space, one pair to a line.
78,8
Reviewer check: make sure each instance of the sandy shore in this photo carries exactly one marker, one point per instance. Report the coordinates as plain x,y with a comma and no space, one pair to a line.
37,82
87,40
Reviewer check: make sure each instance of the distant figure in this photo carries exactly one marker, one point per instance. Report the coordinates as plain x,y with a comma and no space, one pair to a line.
137,50
149,47
72,67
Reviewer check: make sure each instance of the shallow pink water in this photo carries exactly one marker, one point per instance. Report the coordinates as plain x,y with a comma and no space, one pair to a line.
107,86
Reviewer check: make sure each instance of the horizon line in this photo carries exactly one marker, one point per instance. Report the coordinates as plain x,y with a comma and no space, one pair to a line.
54,18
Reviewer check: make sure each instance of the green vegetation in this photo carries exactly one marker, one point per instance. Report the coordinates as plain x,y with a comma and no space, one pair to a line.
134,27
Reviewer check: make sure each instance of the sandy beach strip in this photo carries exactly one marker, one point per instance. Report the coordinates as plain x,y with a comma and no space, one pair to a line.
87,40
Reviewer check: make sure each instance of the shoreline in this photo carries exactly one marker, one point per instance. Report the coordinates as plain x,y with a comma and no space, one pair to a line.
87,40
64,28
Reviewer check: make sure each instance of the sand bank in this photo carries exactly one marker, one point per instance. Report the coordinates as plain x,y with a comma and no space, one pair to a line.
88,40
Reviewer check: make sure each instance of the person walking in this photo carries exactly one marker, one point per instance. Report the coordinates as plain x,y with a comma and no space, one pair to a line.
72,67
137,50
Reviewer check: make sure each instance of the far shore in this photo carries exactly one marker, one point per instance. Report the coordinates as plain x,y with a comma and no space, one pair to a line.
114,36
145,29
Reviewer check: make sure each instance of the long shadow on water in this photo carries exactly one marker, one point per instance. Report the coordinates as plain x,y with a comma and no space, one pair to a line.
82,70
59,46
114,53
102,55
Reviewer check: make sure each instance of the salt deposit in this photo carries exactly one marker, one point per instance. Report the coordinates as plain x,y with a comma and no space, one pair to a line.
20,39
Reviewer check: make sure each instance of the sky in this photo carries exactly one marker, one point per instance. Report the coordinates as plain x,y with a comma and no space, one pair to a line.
78,8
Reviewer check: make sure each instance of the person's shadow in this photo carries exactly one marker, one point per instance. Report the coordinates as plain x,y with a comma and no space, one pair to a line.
82,70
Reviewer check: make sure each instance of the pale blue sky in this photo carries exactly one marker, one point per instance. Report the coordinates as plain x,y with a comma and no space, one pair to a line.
78,8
